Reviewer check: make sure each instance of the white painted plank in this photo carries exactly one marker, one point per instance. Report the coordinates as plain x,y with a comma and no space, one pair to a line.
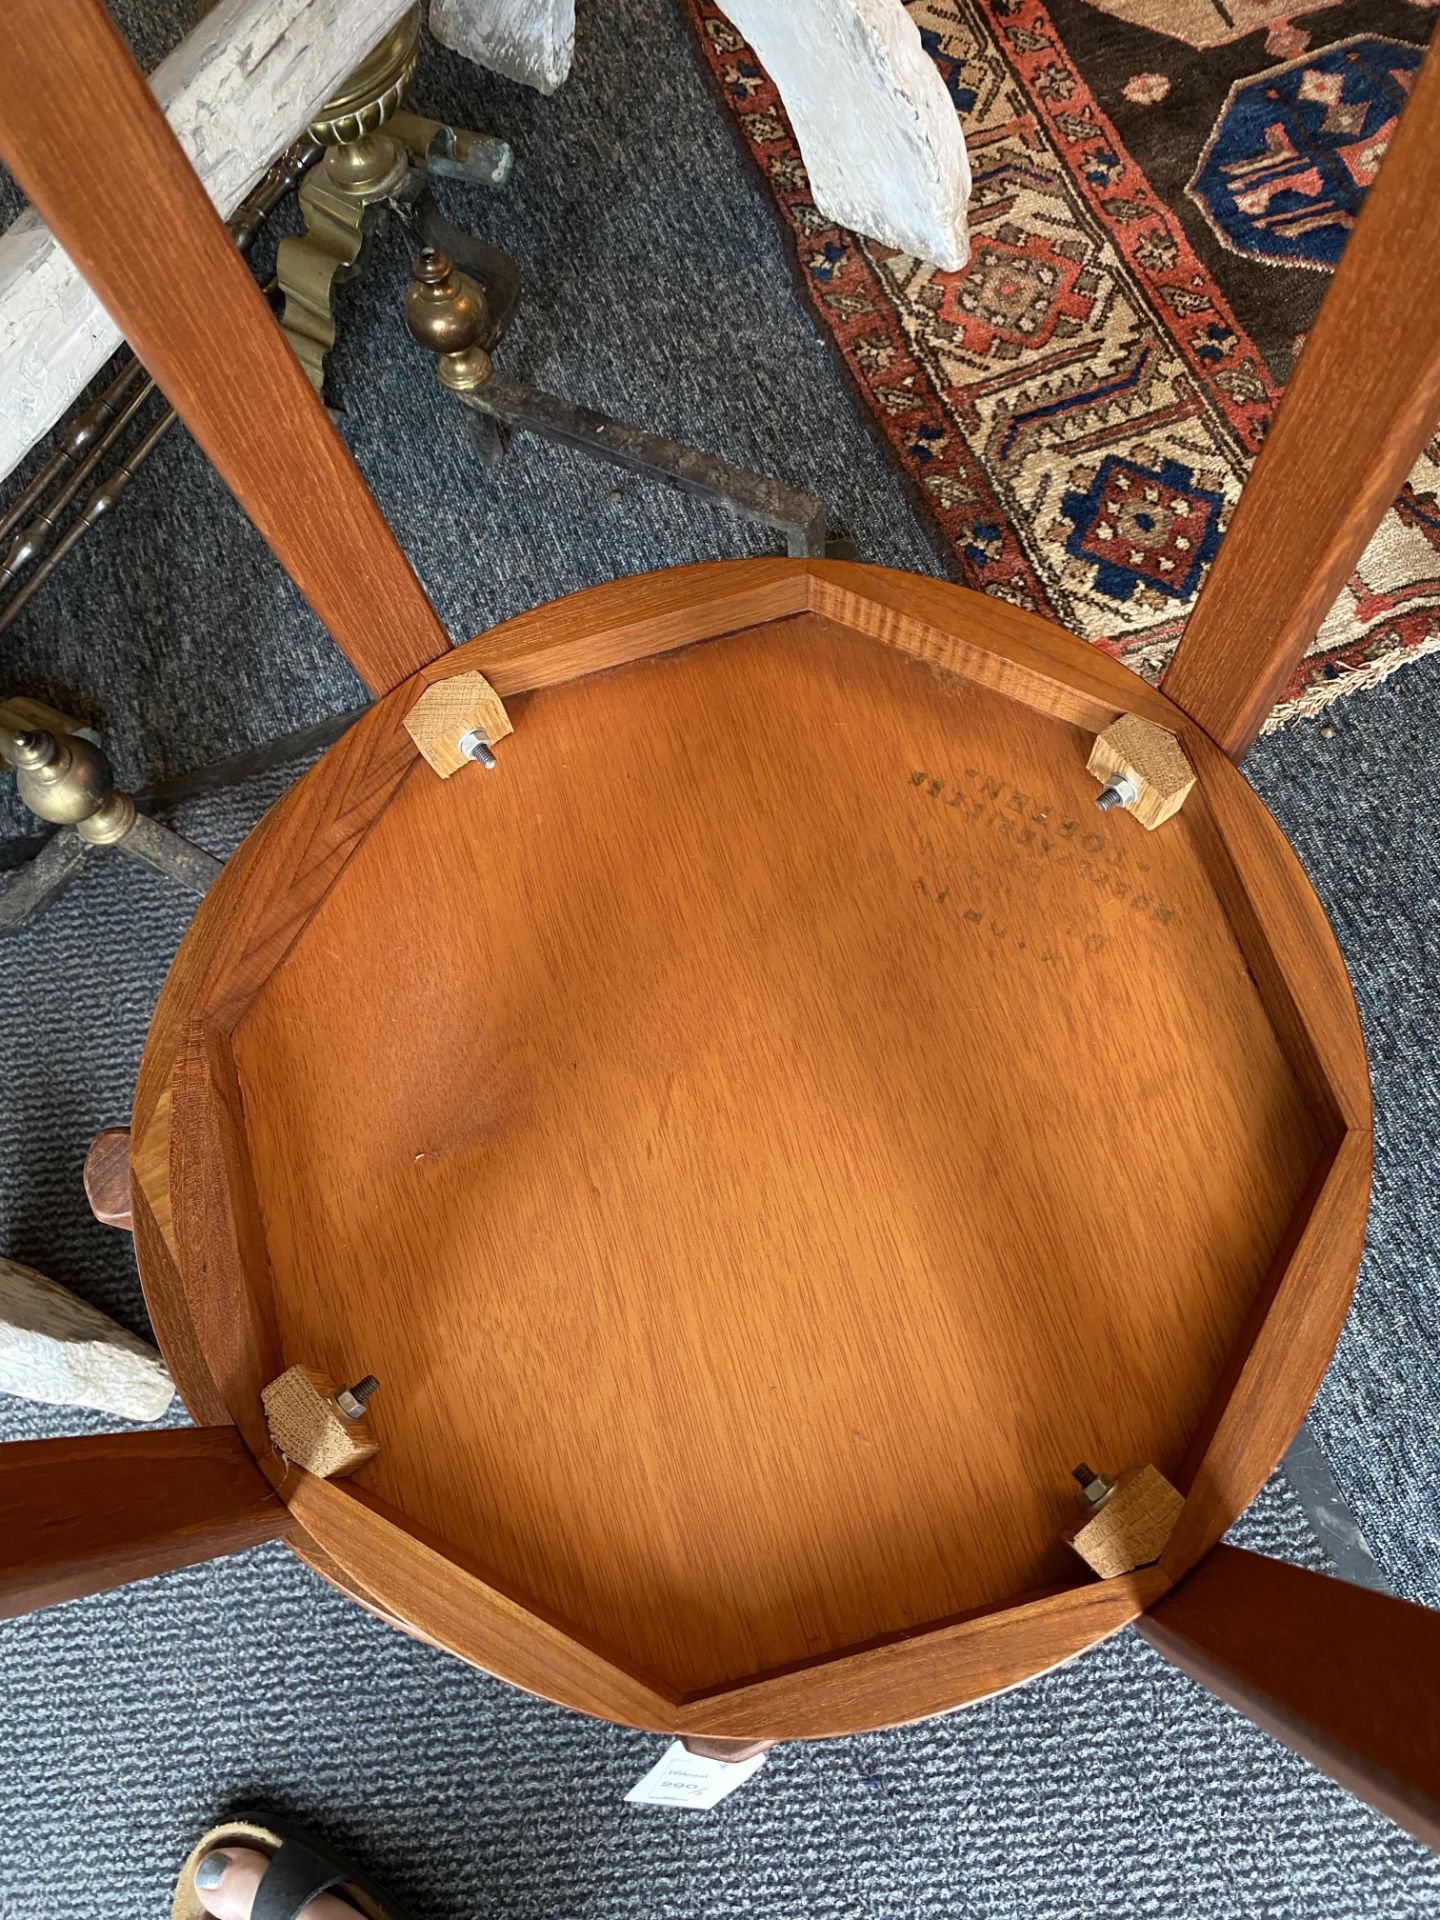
532,41
57,1349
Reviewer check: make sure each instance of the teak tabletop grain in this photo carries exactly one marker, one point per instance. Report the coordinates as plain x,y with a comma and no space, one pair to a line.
762,1136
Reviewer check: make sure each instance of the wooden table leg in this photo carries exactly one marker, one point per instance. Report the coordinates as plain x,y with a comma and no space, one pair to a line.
1348,1677
107,1178
80,1516
1362,402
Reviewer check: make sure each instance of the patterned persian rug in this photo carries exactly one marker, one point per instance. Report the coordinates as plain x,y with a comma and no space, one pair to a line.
1161,190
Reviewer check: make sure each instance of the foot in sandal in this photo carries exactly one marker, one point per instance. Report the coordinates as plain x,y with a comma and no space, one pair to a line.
228,1880
258,1869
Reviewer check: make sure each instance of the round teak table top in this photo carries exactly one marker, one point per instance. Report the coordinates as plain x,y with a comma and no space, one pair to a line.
762,1135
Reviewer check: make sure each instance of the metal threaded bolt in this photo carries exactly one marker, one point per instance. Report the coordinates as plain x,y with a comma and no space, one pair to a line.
1096,1487
351,1400
1118,791
475,746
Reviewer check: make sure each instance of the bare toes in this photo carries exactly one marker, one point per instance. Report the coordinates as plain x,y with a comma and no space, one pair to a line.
228,1879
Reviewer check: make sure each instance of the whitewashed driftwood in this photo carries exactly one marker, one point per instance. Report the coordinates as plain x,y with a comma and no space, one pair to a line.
880,137
55,1348
532,41
237,91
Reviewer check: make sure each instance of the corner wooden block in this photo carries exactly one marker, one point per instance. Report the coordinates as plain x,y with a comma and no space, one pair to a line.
1152,759
450,709
308,1428
1133,1526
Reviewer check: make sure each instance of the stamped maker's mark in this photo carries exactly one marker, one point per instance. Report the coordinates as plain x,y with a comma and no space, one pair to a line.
999,931
1048,838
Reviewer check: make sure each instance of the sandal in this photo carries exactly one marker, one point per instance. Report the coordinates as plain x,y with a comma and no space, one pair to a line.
301,1867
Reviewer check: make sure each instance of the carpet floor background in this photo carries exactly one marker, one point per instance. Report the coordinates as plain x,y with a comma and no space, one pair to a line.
1111,1789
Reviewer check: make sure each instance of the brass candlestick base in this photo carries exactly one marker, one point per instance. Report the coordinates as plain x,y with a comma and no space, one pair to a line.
371,148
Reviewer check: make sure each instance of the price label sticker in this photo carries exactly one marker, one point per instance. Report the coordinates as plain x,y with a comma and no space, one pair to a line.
681,1779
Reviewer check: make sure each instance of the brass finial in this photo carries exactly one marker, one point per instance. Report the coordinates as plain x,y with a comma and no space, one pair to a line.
69,782
446,312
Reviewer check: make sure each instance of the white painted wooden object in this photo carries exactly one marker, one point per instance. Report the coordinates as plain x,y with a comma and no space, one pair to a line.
532,41
878,131
237,92
881,139
55,1348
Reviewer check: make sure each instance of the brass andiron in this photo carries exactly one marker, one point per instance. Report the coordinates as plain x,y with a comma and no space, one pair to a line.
378,161
447,312
67,780
369,149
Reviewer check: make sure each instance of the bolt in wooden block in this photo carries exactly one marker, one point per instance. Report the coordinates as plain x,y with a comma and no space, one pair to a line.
446,712
1152,759
1130,1530
307,1427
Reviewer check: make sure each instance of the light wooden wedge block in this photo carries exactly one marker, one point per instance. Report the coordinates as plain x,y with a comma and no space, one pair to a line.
1133,1526
446,712
1152,759
308,1428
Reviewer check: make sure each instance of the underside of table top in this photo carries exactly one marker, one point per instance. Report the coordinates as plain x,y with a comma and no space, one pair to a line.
762,1136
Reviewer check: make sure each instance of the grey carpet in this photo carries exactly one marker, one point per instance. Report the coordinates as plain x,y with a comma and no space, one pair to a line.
1111,1789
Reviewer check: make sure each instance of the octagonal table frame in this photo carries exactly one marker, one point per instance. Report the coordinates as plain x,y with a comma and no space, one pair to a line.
201,1245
